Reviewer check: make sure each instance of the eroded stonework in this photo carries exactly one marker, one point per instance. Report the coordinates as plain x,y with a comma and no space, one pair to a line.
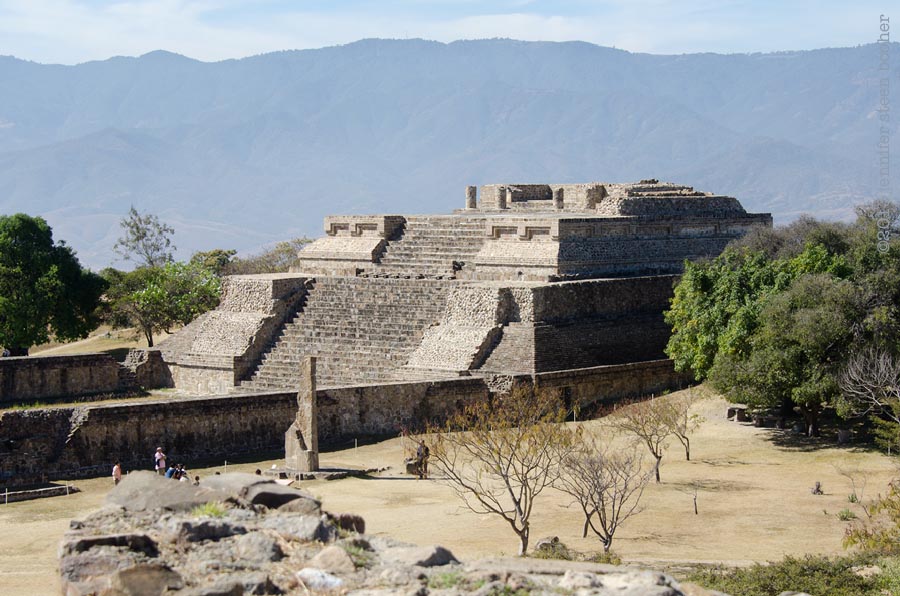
526,279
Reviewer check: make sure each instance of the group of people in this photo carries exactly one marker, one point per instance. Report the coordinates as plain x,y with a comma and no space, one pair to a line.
172,471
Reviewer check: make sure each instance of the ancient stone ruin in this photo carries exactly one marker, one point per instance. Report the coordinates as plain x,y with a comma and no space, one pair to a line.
557,286
240,534
532,279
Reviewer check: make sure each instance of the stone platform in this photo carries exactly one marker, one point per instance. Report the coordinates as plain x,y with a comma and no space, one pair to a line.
532,278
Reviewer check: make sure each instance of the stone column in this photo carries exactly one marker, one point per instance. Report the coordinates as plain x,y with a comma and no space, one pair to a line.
559,197
501,198
471,201
301,441
594,195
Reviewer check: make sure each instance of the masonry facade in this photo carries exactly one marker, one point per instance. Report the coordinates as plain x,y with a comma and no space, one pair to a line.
526,279
558,286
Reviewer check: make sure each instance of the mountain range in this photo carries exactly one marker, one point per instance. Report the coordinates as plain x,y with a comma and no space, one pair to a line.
242,153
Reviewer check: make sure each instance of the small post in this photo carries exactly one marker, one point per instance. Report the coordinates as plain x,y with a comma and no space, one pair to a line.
355,444
6,497
67,488
226,466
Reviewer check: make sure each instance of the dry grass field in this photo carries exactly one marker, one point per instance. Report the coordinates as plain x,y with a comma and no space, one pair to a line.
116,342
754,504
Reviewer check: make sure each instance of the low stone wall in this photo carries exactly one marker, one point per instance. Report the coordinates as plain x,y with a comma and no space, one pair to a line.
53,443
588,386
31,378
387,409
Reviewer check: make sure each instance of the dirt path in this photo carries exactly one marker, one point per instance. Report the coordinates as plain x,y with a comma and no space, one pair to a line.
754,505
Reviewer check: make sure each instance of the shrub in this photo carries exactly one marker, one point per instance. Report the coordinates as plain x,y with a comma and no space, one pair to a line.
361,557
212,509
607,557
810,574
557,550
846,515
445,581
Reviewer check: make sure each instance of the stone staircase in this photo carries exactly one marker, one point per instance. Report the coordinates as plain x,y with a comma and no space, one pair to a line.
430,245
362,330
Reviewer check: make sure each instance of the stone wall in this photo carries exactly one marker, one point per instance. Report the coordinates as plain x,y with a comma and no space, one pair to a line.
216,350
148,368
350,242
602,297
72,442
588,386
86,440
385,410
540,247
32,378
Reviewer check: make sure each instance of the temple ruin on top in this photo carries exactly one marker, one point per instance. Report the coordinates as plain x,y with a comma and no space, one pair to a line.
558,282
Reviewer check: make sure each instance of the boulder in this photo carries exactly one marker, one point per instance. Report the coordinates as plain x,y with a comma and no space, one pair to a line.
316,579
305,505
133,542
256,550
196,530
333,559
302,528
419,556
146,580
146,491
274,495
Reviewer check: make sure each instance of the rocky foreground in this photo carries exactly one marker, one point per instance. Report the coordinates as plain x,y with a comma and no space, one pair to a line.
244,534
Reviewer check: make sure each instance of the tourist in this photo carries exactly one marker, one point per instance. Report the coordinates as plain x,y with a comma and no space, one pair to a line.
170,473
196,481
181,473
159,459
258,472
422,453
117,473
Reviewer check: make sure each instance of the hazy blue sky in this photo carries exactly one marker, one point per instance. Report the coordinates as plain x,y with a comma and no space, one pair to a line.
71,31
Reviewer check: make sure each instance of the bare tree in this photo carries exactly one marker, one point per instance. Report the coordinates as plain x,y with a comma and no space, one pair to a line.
680,420
498,457
650,422
607,484
870,384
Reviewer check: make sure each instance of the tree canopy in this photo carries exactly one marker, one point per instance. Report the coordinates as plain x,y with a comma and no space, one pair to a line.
774,318
146,240
44,290
154,299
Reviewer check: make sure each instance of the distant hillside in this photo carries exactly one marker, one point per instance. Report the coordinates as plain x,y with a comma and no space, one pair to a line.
240,153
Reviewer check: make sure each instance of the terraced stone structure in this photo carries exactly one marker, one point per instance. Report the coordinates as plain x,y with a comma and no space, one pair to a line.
551,281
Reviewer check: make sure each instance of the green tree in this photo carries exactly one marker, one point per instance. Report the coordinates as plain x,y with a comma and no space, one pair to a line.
154,299
277,259
43,288
217,260
796,354
146,240
717,303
